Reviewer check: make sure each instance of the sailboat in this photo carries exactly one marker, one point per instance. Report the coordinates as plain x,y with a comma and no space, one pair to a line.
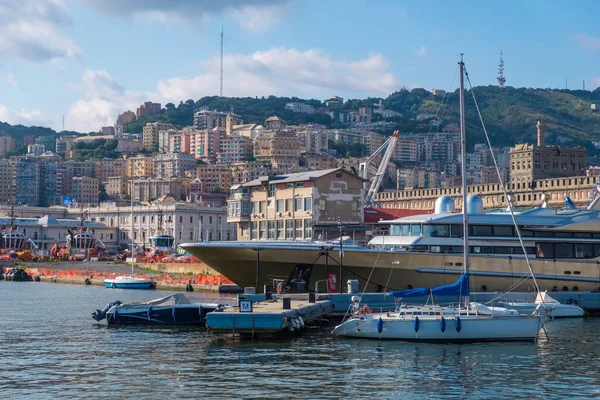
464,322
129,281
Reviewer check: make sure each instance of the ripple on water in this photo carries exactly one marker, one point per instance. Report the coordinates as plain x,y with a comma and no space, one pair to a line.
52,348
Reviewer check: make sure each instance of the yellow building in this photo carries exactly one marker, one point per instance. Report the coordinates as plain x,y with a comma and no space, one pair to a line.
150,134
280,149
294,206
214,176
140,166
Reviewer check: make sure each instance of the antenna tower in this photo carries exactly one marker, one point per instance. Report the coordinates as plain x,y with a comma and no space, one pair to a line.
501,78
221,61
63,122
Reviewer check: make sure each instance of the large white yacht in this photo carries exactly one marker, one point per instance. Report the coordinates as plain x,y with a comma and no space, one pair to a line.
425,250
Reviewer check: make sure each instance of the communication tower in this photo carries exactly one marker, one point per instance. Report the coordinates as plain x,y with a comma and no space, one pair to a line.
501,78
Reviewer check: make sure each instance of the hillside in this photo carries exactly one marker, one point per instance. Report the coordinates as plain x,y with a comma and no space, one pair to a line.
510,114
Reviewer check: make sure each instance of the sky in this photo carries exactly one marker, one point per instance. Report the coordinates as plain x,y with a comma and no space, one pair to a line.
89,60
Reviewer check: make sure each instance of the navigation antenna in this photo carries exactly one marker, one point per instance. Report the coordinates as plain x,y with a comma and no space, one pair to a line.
221,61
501,78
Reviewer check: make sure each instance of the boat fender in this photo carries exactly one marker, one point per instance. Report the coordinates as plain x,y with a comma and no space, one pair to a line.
189,288
149,313
87,281
296,323
173,313
458,324
416,324
116,314
379,325
301,320
201,312
443,324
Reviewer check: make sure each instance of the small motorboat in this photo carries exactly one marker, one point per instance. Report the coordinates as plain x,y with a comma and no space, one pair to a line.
554,308
176,309
128,282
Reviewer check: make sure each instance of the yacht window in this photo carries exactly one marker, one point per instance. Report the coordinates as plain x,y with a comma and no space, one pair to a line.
503,231
417,248
596,250
544,250
583,250
563,250
435,249
582,234
480,230
415,230
503,250
456,231
596,235
542,234
563,234
481,249
405,230
436,230
567,272
456,249
526,233
395,230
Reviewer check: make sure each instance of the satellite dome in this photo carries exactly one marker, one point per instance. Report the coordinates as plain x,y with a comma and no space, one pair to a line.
444,204
474,204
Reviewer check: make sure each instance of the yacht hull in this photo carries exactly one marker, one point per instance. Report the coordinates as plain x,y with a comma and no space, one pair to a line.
302,266
471,328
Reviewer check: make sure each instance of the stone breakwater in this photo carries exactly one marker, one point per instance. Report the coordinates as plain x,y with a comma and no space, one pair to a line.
200,276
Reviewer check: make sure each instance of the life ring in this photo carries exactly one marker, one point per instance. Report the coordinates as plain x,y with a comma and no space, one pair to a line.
279,287
365,310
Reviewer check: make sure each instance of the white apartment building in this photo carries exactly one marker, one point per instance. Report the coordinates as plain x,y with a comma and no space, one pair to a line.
300,108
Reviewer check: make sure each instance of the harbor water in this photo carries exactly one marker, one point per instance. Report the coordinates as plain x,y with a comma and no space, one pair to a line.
51,348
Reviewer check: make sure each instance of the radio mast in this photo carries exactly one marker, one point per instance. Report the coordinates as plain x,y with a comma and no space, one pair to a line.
221,61
501,78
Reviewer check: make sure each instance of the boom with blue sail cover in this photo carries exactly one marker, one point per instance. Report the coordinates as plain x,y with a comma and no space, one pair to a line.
458,288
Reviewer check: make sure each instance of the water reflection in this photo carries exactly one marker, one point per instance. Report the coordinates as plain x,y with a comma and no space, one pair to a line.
51,347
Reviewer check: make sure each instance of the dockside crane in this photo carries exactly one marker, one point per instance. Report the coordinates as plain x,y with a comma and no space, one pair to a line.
388,146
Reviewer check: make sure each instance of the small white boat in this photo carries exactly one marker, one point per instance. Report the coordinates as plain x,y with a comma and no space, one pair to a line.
554,308
128,282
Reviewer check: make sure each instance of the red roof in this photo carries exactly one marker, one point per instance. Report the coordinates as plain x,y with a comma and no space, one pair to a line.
374,215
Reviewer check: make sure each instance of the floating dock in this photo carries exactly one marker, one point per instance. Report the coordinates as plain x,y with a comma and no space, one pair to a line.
255,315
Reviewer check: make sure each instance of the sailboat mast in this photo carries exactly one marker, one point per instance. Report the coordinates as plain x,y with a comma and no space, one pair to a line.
132,256
463,151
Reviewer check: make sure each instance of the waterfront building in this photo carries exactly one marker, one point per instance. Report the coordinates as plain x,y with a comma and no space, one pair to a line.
293,206
150,134
36,149
165,138
187,222
313,138
7,190
26,182
117,186
317,161
530,162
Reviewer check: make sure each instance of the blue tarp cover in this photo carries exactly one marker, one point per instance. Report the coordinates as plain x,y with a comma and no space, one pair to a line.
458,288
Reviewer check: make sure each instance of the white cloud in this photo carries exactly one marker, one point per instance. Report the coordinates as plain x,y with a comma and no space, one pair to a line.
30,31
254,15
277,71
103,99
420,51
23,117
12,81
283,72
588,42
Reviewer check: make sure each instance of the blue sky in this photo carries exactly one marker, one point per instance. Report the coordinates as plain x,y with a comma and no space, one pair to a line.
91,59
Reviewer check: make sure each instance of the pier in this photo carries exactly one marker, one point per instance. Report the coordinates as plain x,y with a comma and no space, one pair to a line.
255,315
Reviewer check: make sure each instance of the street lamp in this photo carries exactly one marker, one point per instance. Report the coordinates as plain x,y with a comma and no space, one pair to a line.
257,250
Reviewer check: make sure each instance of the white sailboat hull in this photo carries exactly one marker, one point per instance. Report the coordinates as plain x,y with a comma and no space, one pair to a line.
471,328
552,310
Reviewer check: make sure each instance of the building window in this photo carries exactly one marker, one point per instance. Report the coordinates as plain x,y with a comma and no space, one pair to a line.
298,232
308,229
253,230
289,205
271,190
191,220
262,207
263,230
271,225
300,184
308,204
280,231
181,219
210,220
322,205
298,205
280,205
289,229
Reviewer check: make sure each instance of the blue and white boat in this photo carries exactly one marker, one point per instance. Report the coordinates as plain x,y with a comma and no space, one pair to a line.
128,282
